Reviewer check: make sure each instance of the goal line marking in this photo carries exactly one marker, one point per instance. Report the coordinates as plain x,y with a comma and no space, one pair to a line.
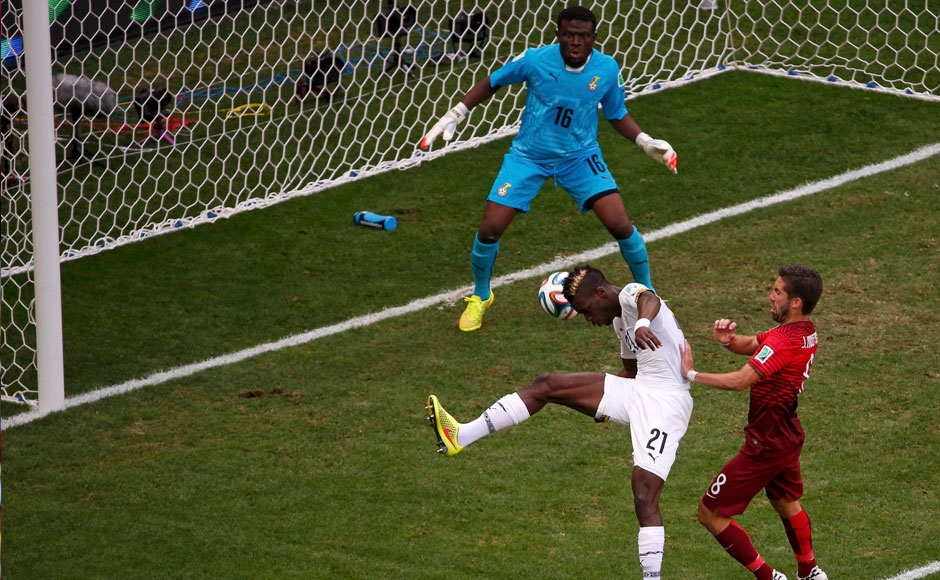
921,572
451,296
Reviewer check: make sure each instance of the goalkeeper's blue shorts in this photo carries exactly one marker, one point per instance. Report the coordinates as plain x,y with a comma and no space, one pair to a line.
585,177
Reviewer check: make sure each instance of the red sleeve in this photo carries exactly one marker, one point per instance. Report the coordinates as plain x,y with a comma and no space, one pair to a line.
761,338
772,354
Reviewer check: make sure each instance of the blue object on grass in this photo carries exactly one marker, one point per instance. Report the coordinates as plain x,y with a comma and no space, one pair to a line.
375,221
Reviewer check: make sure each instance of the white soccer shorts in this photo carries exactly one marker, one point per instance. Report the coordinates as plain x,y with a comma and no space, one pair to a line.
658,418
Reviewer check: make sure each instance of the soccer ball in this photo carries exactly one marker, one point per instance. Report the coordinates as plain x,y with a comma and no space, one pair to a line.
553,299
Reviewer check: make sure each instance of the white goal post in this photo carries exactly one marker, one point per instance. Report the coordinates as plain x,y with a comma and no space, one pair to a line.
225,106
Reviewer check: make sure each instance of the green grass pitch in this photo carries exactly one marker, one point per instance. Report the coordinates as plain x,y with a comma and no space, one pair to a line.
317,462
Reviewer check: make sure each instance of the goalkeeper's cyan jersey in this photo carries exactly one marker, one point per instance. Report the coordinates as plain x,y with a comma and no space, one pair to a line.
560,116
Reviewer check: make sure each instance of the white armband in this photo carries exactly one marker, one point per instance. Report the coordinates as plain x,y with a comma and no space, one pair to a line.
691,375
643,322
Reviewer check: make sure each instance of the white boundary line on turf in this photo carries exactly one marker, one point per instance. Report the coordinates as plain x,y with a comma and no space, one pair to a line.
927,570
454,295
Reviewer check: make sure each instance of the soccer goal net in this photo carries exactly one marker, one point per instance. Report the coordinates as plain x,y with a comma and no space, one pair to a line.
175,113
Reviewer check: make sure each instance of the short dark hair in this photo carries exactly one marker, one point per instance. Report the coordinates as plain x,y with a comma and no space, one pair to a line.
577,13
581,280
802,282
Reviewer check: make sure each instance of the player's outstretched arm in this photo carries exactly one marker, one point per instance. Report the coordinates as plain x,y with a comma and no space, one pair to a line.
447,125
658,149
733,381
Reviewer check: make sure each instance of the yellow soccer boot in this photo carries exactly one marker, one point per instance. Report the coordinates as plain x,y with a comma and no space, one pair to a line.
472,317
445,428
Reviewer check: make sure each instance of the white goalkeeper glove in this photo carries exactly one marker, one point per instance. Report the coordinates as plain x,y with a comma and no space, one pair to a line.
658,149
447,125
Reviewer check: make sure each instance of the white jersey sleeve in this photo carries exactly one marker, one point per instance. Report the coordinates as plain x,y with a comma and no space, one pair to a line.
662,367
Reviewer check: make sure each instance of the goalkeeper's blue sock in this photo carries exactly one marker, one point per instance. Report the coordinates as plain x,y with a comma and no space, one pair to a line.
481,259
634,254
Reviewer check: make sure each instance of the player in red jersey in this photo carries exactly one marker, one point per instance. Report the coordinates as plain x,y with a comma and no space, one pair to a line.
773,437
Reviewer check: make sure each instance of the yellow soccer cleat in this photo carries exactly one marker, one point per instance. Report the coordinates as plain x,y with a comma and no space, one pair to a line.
472,317
444,426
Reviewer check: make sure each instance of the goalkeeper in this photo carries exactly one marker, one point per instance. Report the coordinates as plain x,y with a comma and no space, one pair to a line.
558,138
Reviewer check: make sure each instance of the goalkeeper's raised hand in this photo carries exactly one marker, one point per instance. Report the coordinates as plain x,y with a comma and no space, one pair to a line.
446,126
659,150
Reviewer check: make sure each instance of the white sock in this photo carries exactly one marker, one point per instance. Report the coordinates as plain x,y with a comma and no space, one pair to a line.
650,542
506,412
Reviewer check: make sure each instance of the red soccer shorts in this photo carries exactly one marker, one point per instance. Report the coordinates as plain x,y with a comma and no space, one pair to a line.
743,477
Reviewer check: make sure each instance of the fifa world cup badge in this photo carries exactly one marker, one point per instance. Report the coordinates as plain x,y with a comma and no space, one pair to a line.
764,355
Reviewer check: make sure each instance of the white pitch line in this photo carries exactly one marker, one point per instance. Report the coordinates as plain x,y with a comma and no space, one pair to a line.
927,570
454,295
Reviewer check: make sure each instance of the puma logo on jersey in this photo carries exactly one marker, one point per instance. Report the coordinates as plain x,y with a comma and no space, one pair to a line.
502,191
592,86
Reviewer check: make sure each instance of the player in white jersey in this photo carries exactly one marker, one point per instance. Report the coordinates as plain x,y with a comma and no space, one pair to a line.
565,83
650,395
